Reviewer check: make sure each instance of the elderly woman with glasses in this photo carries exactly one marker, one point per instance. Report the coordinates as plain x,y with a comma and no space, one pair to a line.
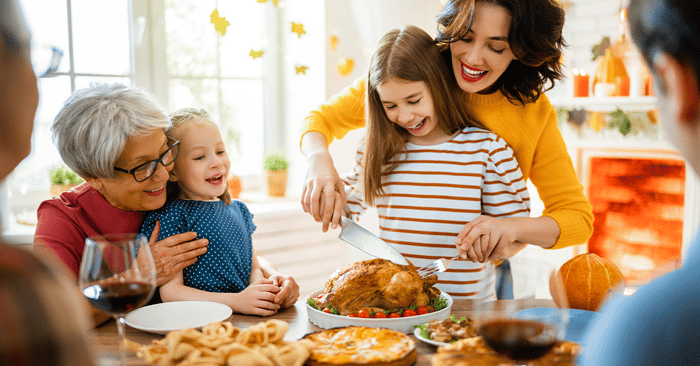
113,136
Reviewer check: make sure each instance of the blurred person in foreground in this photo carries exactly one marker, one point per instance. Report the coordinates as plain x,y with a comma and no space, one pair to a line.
659,324
42,320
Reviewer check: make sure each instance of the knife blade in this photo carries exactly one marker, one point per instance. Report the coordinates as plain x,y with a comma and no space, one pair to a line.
367,242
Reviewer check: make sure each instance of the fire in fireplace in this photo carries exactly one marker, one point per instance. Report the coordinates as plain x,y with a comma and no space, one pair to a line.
638,207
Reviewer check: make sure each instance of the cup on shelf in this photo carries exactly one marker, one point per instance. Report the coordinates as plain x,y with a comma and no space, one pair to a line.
604,89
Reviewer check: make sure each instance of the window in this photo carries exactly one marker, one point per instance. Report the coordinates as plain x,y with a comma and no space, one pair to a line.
170,48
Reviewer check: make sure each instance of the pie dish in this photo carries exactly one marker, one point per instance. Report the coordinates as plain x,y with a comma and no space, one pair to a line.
361,346
404,325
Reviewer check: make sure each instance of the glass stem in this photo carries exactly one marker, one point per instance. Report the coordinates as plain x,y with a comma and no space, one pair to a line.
122,340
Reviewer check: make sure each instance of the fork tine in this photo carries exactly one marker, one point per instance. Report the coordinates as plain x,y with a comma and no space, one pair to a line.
439,265
428,270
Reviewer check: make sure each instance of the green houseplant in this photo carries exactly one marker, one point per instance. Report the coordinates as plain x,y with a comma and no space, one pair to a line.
63,179
276,167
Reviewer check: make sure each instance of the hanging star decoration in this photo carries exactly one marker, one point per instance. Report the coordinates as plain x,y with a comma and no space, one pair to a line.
345,66
334,42
274,2
220,23
298,28
255,54
301,69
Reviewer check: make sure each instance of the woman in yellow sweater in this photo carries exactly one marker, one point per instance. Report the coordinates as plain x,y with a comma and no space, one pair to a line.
502,53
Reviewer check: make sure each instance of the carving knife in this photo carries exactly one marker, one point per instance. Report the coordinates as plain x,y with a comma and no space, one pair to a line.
367,242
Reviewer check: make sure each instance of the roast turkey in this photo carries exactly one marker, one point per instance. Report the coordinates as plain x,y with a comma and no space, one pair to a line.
376,285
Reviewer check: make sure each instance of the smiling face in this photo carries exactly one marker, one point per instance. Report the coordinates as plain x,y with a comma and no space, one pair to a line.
202,166
484,54
409,104
124,192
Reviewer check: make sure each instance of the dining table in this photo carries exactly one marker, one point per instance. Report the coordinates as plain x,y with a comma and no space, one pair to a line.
106,337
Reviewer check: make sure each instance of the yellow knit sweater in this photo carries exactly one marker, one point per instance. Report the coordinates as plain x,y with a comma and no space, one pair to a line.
531,131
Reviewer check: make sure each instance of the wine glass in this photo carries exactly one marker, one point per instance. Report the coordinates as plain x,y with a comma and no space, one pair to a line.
117,275
513,328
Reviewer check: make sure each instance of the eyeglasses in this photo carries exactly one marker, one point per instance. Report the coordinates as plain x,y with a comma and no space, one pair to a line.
45,60
147,169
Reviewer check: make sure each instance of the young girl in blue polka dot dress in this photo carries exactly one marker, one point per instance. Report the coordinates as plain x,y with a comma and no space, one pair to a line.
198,200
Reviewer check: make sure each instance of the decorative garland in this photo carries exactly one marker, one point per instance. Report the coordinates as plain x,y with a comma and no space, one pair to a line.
635,123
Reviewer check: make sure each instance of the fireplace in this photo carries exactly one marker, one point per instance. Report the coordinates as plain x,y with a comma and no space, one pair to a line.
638,204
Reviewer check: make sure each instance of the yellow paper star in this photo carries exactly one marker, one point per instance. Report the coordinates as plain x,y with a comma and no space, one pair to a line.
334,42
298,28
345,66
255,54
301,69
274,2
220,23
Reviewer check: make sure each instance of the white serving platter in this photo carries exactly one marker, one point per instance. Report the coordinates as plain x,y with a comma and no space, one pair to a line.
404,324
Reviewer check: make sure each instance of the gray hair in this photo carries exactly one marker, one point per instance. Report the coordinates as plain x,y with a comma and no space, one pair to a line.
94,124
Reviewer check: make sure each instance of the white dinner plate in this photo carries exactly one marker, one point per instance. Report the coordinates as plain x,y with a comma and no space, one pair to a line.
426,340
165,317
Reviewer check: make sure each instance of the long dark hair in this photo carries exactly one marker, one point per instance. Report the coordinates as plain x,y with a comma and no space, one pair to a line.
178,118
667,26
408,54
535,37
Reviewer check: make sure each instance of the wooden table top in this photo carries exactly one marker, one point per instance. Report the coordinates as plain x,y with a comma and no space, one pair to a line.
106,337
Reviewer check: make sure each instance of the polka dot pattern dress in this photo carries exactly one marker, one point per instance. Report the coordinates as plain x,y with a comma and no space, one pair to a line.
226,265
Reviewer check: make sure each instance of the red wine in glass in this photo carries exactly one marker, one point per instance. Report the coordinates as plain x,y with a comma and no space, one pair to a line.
518,339
118,298
117,275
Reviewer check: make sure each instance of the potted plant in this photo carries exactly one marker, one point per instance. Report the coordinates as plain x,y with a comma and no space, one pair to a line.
276,167
63,179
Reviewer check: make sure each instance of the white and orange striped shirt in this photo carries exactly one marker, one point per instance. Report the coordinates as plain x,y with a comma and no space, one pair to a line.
435,191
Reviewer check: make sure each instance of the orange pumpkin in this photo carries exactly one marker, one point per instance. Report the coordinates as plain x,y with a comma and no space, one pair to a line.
588,279
609,70
234,185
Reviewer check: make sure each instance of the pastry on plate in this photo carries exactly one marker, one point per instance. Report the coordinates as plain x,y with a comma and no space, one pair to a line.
474,351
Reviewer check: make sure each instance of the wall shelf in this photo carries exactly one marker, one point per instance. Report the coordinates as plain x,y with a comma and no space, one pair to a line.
607,104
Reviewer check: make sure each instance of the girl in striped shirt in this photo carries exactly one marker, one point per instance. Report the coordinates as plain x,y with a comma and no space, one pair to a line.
426,165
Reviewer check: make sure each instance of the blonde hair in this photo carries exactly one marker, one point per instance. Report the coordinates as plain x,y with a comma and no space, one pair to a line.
406,54
179,120
42,319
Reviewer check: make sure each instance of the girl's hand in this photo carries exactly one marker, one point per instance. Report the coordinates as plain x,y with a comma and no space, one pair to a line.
257,299
289,290
172,254
324,193
485,238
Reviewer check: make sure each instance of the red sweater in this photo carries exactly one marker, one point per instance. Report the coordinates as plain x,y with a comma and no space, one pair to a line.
65,222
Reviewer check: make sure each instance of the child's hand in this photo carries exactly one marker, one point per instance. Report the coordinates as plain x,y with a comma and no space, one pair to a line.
289,290
258,298
485,238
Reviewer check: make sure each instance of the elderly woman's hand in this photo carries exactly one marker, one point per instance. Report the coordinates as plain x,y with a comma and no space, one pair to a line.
174,253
